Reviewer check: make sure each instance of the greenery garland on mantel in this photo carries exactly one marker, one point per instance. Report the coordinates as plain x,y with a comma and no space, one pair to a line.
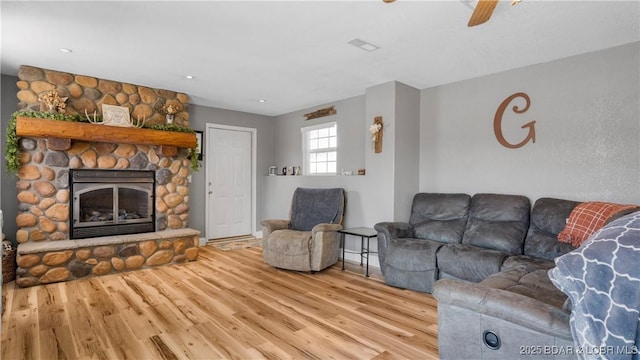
12,156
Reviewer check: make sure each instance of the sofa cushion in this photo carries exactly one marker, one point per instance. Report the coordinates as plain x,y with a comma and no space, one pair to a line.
446,231
497,221
468,262
526,263
291,242
412,254
532,284
548,218
440,217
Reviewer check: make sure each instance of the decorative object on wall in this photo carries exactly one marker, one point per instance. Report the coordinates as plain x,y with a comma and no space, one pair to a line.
199,146
118,116
99,120
53,102
497,121
321,113
169,111
94,118
376,134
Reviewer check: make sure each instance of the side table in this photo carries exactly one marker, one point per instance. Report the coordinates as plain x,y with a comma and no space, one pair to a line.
363,233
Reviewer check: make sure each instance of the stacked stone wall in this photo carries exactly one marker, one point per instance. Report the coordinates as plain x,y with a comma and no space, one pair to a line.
43,182
97,257
90,93
45,253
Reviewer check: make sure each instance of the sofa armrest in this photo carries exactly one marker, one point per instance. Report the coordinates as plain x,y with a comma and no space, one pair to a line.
325,227
271,225
503,304
392,230
386,232
325,248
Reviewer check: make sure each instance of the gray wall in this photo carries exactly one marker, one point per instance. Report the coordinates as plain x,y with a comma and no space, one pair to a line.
199,117
349,120
380,101
391,176
407,157
352,139
587,117
8,192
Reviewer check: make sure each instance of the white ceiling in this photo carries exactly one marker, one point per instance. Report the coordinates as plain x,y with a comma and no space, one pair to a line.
294,54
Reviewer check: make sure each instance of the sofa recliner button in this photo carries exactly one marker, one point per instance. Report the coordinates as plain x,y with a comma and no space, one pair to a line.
491,339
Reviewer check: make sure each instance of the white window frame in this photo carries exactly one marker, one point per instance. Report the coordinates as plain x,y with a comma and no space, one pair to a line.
306,150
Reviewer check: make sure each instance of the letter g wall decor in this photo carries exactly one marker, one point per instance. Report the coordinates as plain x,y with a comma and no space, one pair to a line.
497,122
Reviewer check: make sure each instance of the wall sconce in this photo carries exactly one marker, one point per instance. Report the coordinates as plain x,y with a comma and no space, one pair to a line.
376,134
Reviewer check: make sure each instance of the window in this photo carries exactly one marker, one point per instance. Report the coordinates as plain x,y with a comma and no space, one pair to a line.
320,149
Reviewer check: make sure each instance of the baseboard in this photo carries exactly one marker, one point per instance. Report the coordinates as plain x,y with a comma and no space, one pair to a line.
202,241
373,260
258,234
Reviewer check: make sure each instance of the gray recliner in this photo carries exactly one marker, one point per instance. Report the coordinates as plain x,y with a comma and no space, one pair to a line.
309,240
453,236
407,251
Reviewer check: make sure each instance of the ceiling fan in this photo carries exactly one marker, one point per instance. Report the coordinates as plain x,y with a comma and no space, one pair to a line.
482,11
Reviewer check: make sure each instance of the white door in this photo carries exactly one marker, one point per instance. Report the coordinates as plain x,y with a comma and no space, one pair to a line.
229,182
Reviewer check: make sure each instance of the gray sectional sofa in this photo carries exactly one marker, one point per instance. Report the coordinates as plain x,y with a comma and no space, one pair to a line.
456,236
485,258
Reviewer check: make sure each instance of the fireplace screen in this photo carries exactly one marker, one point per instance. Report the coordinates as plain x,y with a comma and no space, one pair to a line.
111,202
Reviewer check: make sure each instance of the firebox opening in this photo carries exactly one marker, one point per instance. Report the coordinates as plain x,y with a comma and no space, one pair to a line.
111,202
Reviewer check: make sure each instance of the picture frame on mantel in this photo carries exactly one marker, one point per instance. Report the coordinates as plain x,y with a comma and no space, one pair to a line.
199,141
116,115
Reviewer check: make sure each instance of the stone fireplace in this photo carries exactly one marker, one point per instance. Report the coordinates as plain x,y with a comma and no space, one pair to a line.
133,197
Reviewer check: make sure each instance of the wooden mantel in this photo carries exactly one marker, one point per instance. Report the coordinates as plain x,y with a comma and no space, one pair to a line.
34,127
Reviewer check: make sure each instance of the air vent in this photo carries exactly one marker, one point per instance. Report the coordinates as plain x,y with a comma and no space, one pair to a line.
363,45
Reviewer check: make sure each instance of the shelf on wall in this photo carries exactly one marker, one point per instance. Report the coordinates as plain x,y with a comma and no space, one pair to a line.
34,127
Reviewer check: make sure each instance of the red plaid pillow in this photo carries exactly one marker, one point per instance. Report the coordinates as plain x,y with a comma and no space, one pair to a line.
587,218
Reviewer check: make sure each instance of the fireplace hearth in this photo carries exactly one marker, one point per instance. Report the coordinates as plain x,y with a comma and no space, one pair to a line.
111,202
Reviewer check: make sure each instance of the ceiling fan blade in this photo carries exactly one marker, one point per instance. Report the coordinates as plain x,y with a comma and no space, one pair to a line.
482,12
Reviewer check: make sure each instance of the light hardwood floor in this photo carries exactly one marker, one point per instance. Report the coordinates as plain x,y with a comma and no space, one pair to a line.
225,305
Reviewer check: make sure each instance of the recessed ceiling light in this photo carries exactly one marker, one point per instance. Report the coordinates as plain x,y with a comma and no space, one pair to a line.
363,45
262,100
190,77
66,50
